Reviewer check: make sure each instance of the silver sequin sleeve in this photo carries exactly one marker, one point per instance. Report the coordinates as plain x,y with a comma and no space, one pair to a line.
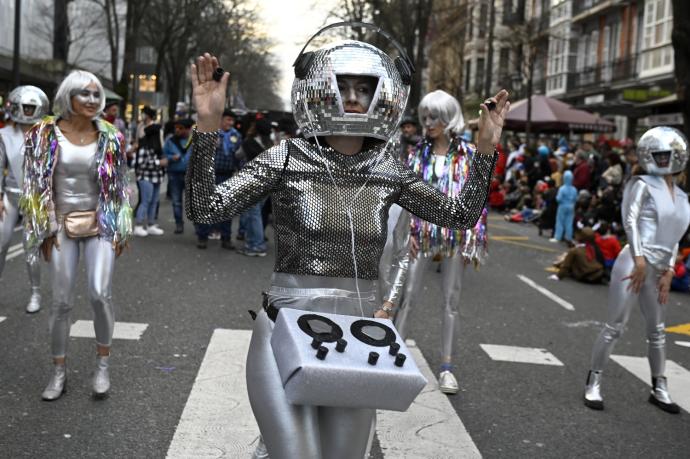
461,212
318,194
206,202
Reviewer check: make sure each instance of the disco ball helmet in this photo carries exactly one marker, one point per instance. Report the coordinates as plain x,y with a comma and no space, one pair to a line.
27,104
316,102
662,150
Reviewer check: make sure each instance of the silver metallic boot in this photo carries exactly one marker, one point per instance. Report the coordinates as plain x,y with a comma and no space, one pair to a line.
35,301
447,383
260,452
57,384
593,398
660,396
101,378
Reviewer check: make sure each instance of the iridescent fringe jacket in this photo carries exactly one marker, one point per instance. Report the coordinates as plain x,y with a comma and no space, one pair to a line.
433,240
42,153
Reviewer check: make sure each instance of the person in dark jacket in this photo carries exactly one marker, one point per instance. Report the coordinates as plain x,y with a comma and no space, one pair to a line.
150,169
178,149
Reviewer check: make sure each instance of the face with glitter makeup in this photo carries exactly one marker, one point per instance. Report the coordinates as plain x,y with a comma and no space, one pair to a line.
356,92
87,101
433,126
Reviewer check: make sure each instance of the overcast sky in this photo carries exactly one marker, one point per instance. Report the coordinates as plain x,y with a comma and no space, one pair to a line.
290,24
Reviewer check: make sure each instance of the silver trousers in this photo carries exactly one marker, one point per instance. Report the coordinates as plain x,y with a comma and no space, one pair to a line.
452,270
301,431
621,301
100,262
7,223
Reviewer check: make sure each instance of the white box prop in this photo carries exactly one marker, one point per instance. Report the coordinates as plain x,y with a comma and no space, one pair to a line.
328,372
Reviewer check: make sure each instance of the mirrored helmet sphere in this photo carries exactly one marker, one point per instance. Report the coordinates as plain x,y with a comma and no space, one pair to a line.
28,104
318,93
662,150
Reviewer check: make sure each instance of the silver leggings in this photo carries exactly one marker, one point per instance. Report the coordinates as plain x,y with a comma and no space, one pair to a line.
300,431
621,302
7,223
452,270
100,262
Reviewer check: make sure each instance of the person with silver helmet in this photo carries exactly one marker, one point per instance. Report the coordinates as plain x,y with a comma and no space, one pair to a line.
656,214
27,105
76,201
331,193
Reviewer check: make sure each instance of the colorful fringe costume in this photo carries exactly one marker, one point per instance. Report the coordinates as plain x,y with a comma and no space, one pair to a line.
433,240
37,203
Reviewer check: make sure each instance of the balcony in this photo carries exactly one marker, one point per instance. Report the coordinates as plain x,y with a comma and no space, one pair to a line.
583,9
605,74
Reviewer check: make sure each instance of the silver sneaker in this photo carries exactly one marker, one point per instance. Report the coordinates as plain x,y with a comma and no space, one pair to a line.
447,383
593,398
660,396
35,301
260,452
57,384
101,378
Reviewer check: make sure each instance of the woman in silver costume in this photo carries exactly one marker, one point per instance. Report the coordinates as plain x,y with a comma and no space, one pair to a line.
28,104
76,199
656,214
443,160
330,196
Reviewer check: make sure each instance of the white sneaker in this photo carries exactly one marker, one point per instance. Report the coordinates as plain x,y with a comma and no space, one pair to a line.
154,230
553,239
554,277
34,303
140,231
447,383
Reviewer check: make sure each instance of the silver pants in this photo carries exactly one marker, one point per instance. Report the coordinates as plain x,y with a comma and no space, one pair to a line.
301,431
452,270
621,301
100,262
7,223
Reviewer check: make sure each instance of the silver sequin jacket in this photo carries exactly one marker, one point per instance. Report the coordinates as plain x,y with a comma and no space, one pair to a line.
311,224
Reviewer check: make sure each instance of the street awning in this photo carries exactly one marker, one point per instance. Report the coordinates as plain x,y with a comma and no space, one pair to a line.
553,115
111,95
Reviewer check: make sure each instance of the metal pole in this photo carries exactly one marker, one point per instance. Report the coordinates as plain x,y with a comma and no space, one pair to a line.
17,34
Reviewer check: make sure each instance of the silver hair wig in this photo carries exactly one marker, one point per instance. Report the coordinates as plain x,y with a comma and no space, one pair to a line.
76,80
316,101
445,107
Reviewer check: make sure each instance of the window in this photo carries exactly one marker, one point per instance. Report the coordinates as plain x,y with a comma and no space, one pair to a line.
468,69
470,28
479,77
504,66
657,51
483,15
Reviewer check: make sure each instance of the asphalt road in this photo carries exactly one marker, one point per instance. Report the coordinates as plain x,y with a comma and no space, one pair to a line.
510,409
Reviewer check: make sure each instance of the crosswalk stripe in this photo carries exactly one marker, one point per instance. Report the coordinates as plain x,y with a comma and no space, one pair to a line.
678,377
2,318
520,354
429,428
217,419
547,293
14,254
683,343
122,330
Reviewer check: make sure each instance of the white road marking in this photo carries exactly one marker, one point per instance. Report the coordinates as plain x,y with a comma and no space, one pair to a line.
14,247
123,330
520,354
2,318
14,254
217,420
546,292
429,428
683,343
678,377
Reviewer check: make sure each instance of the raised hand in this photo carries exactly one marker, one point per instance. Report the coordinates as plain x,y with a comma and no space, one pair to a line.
491,122
208,94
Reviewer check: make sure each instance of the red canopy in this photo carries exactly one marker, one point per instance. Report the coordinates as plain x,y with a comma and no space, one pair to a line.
552,115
